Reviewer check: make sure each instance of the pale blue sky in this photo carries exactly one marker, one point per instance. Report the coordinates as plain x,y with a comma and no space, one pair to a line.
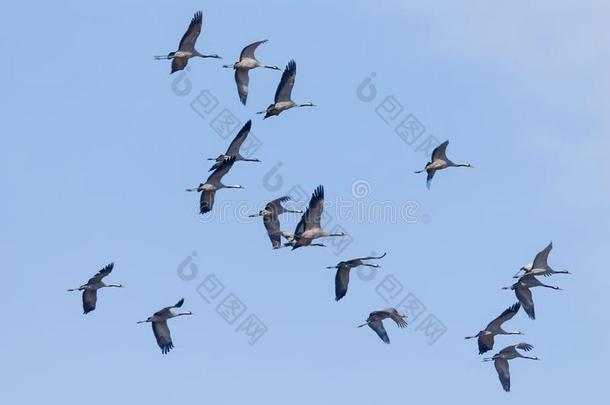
97,150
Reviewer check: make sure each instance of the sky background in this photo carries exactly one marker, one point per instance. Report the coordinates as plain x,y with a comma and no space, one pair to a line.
98,145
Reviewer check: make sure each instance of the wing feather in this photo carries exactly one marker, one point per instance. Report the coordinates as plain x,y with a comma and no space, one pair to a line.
163,336
284,89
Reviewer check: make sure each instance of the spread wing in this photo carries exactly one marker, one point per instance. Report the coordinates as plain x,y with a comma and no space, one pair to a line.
242,79
526,347
439,153
164,338
248,51
524,295
101,274
504,316
284,89
187,43
400,321
206,201
89,300
311,217
377,326
239,139
341,282
429,177
272,225
179,64
276,205
541,260
486,343
503,372
221,170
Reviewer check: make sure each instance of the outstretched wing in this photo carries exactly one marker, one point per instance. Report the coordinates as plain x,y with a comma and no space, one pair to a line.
439,153
485,342
242,79
400,321
276,205
524,295
341,282
526,347
239,139
248,51
206,201
503,372
377,326
311,217
272,225
429,177
164,338
89,300
179,64
101,274
187,43
284,89
541,260
503,317
222,169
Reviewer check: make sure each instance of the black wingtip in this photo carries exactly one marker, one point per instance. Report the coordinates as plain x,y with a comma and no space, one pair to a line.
179,303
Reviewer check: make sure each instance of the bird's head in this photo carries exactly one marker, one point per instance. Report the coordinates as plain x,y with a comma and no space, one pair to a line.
467,164
215,56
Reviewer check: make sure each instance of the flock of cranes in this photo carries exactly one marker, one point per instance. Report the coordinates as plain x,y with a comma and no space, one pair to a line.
309,229
485,338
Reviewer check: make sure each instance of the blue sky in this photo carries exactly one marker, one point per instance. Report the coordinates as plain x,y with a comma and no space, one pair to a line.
97,149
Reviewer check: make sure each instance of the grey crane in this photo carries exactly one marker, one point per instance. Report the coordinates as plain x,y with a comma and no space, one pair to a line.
90,288
540,265
247,61
486,336
159,325
343,270
213,184
439,161
233,150
375,321
309,227
283,101
273,209
524,295
501,359
186,49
